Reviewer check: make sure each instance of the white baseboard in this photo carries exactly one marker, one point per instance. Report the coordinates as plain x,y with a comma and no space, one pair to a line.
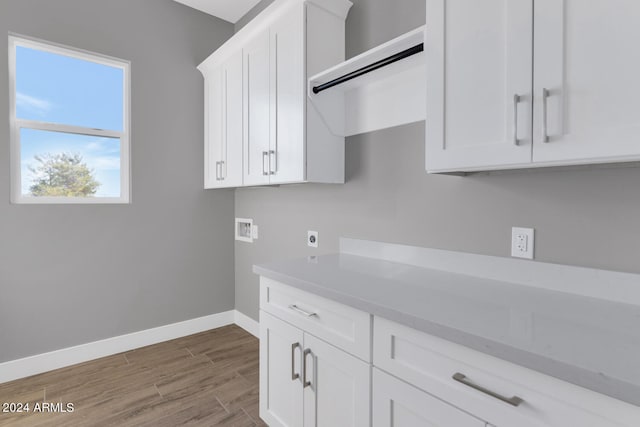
32,365
247,323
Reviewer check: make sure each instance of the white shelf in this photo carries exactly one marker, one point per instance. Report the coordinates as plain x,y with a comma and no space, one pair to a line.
389,96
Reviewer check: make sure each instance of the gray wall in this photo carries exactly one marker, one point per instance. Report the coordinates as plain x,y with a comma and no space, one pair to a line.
75,274
252,14
586,217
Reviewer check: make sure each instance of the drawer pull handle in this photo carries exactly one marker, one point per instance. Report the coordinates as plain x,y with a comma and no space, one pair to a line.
301,311
294,375
461,378
305,383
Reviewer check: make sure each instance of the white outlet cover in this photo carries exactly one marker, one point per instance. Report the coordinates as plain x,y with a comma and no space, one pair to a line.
522,242
312,239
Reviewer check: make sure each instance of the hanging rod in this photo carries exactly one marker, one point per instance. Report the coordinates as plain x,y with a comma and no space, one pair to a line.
371,67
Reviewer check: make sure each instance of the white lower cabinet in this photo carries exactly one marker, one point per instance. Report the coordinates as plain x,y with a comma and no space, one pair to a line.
398,404
280,369
499,392
305,381
318,357
338,386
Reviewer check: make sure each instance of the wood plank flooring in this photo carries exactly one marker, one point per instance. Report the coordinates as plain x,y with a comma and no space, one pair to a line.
207,379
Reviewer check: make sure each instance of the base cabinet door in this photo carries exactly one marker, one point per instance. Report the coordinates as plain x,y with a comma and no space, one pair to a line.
337,386
398,404
280,372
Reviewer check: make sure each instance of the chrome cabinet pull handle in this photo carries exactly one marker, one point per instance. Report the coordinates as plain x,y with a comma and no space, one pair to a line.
275,162
265,156
294,375
301,311
545,129
217,171
461,378
516,100
305,383
223,175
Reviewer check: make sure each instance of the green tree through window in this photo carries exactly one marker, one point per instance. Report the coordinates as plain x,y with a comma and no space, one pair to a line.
62,175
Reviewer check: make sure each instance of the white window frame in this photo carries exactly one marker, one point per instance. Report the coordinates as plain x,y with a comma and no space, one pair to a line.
17,124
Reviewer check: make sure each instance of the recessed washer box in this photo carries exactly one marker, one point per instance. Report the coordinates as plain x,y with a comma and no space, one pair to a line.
243,229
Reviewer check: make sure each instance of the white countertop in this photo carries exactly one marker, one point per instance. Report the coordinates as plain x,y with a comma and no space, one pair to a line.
584,340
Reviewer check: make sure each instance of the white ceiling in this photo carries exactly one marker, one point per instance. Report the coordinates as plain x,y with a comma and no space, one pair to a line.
229,10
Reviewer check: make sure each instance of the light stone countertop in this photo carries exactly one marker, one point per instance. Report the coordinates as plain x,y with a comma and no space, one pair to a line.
586,341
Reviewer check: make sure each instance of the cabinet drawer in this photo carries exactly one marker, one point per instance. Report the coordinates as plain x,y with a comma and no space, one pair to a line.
430,363
338,324
398,404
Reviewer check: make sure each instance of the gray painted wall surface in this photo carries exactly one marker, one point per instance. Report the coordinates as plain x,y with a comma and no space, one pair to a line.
75,274
586,217
252,14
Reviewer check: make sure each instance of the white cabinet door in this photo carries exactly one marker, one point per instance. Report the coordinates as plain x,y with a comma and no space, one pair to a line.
479,58
338,387
231,161
287,151
398,404
280,372
223,124
586,57
256,109
213,132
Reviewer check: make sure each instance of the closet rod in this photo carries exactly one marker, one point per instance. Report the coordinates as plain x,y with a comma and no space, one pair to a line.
371,67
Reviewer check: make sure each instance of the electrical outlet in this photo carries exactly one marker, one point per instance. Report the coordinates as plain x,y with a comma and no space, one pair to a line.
312,239
522,242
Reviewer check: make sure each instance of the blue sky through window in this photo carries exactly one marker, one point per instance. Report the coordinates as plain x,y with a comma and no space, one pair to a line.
59,89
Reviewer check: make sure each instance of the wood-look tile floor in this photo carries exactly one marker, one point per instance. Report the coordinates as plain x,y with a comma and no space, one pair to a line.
207,379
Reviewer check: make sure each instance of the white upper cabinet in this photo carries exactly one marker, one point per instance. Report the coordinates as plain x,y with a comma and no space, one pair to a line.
256,110
277,140
586,57
288,97
502,94
223,123
479,82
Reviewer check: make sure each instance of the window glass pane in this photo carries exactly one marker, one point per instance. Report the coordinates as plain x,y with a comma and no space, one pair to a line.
58,164
60,89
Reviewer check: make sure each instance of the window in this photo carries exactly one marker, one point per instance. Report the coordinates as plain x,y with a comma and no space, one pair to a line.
69,125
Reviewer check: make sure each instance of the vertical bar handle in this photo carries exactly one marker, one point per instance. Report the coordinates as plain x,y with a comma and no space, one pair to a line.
294,375
545,128
265,156
223,173
305,382
516,101
217,171
272,171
